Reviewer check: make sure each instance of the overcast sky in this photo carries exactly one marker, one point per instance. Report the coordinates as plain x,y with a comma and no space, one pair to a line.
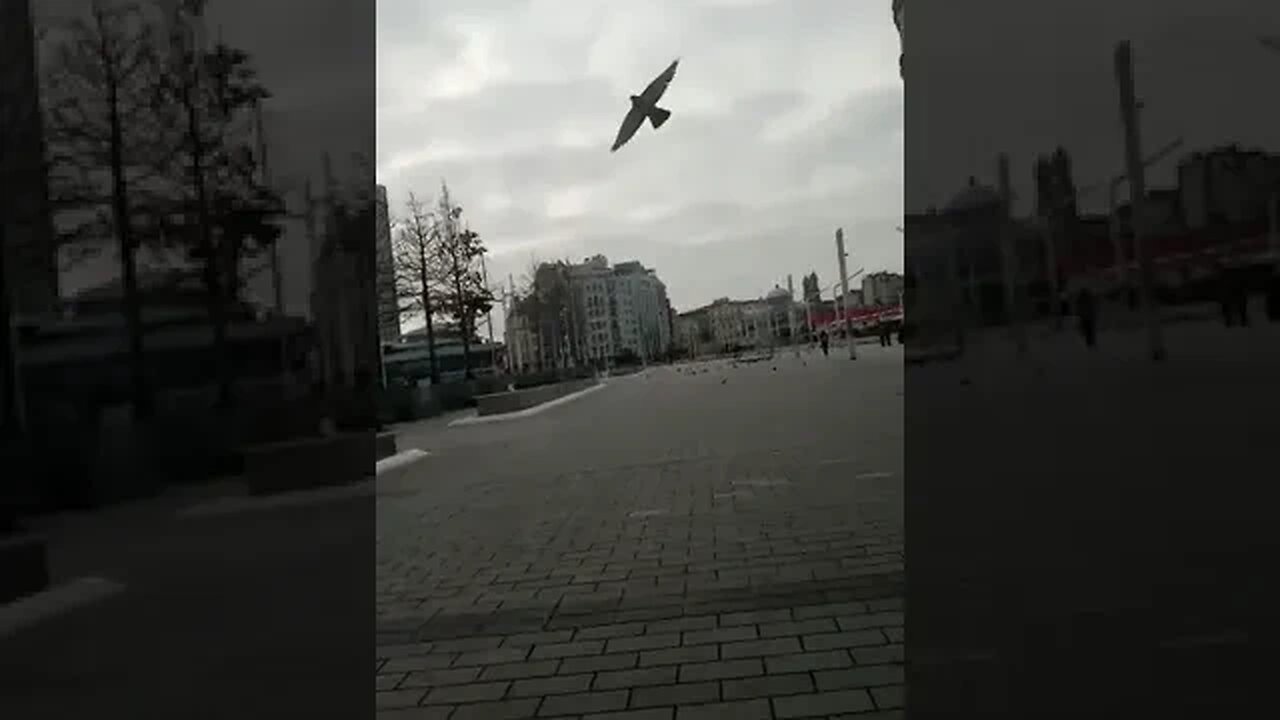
787,123
991,76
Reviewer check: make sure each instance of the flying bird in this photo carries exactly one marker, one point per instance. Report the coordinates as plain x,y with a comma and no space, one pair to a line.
645,105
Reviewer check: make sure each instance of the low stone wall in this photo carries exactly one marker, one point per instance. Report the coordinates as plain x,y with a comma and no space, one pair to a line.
23,566
311,462
386,445
507,402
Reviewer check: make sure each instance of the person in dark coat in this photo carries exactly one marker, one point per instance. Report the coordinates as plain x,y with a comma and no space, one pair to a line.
825,341
1087,312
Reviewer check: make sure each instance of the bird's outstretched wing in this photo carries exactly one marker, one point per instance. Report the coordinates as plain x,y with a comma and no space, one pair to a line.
659,85
630,124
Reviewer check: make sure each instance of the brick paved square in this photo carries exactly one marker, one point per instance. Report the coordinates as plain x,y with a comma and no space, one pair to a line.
527,586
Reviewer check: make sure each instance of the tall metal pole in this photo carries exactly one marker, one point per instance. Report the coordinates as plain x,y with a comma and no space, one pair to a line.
791,314
1009,256
1273,226
1137,190
842,257
484,278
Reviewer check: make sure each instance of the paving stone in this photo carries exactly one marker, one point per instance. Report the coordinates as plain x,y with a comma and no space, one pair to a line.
857,638
806,662
879,655
679,694
569,649
755,617
606,632
500,710
719,635
889,698
398,698
431,712
820,704
761,648
645,714
798,627
432,678
597,663
766,686
418,662
496,656
662,675
829,610
556,685
721,669
583,703
860,677
537,638
388,682
643,642
675,656
684,624
474,692
521,670
740,710
870,620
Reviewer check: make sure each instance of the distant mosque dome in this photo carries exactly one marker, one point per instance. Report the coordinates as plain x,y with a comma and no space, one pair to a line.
778,293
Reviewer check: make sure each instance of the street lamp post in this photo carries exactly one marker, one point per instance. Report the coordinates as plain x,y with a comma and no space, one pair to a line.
1137,189
842,256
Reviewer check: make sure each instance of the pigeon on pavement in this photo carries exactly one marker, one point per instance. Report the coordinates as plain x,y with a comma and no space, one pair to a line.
645,105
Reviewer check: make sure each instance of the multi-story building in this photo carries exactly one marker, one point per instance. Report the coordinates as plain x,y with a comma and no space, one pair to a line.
590,313
881,289
1226,185
388,303
30,259
592,285
642,311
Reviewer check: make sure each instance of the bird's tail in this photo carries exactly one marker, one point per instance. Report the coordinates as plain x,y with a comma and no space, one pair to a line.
658,116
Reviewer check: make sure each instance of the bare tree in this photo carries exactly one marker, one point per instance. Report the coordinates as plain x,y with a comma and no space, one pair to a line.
414,249
465,295
101,95
211,97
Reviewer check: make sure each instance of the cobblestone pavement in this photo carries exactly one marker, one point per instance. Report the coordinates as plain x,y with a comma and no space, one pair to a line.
1089,527
719,542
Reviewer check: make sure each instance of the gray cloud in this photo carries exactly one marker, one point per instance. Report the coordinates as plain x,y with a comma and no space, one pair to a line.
787,122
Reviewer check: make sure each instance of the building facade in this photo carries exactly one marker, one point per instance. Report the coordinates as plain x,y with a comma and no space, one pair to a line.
589,313
388,303
881,289
26,224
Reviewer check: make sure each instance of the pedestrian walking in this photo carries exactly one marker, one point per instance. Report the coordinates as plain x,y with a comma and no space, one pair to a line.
825,341
1273,296
1087,312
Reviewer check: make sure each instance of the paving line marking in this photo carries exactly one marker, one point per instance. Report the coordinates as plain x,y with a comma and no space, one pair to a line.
399,460
297,498
58,600
873,476
527,412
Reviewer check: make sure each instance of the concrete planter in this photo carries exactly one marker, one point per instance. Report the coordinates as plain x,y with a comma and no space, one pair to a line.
514,401
312,462
24,567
